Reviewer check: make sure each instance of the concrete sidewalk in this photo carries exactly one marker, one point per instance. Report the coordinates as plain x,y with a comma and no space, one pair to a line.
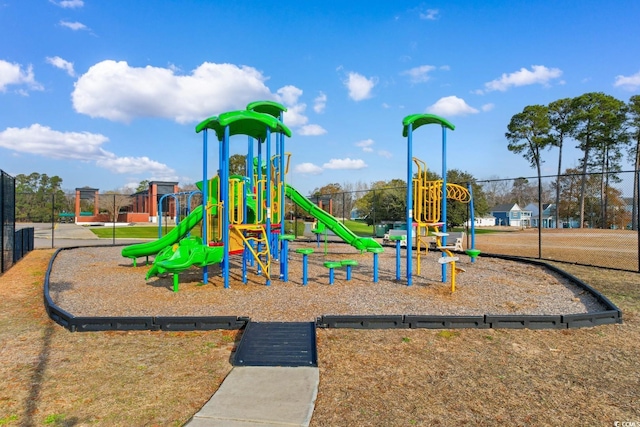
254,396
69,235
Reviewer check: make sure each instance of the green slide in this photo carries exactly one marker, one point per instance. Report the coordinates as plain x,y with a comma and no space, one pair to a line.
151,248
189,252
360,243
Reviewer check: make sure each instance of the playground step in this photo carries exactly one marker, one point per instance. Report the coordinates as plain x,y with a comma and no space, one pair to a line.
447,259
277,344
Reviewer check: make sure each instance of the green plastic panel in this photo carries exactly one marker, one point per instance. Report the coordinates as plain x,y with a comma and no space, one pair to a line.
267,107
243,122
418,120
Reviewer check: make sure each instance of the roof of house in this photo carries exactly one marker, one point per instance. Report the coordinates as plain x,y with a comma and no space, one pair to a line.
506,207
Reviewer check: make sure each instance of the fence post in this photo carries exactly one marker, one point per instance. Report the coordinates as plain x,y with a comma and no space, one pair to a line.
374,209
637,219
2,205
53,219
115,217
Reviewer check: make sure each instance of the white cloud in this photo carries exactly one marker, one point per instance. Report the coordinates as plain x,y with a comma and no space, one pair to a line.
75,26
312,130
430,14
539,74
294,116
81,146
487,107
289,94
386,154
58,62
628,82
419,74
130,165
451,106
320,103
13,74
308,168
68,4
119,92
345,164
359,86
366,145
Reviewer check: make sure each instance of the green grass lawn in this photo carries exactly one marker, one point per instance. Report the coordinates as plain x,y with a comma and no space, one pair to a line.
133,232
151,232
137,232
359,228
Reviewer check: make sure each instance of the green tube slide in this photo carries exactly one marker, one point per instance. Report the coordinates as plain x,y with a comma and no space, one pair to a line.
333,224
151,248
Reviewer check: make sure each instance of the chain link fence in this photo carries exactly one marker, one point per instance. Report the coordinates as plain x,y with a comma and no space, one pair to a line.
7,220
590,219
14,244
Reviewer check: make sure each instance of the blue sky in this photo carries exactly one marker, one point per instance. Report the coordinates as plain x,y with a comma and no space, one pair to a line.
107,93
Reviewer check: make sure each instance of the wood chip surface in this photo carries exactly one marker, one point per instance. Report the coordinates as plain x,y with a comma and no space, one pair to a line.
98,281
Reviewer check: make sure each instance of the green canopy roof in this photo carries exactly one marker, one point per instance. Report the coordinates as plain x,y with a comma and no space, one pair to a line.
243,122
267,107
418,120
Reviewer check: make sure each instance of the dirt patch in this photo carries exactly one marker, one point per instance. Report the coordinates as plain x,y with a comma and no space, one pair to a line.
384,377
605,248
53,377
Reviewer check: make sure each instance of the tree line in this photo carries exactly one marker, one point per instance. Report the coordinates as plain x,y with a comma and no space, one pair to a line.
604,128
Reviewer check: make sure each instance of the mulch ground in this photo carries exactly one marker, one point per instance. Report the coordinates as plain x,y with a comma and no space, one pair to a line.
98,281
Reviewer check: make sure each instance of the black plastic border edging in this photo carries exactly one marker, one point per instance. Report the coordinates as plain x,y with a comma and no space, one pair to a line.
610,315
133,323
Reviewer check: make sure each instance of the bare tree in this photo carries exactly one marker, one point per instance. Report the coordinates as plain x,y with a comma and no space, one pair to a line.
113,201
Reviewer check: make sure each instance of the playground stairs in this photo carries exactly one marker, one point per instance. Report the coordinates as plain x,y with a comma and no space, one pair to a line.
274,381
254,237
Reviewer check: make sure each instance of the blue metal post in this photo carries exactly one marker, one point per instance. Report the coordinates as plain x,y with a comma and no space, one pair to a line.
249,171
205,200
245,255
397,259
285,248
283,257
375,267
444,198
276,167
472,219
304,269
224,189
260,212
409,202
160,217
268,197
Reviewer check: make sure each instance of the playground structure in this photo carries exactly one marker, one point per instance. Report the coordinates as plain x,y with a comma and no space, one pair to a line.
243,215
427,202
